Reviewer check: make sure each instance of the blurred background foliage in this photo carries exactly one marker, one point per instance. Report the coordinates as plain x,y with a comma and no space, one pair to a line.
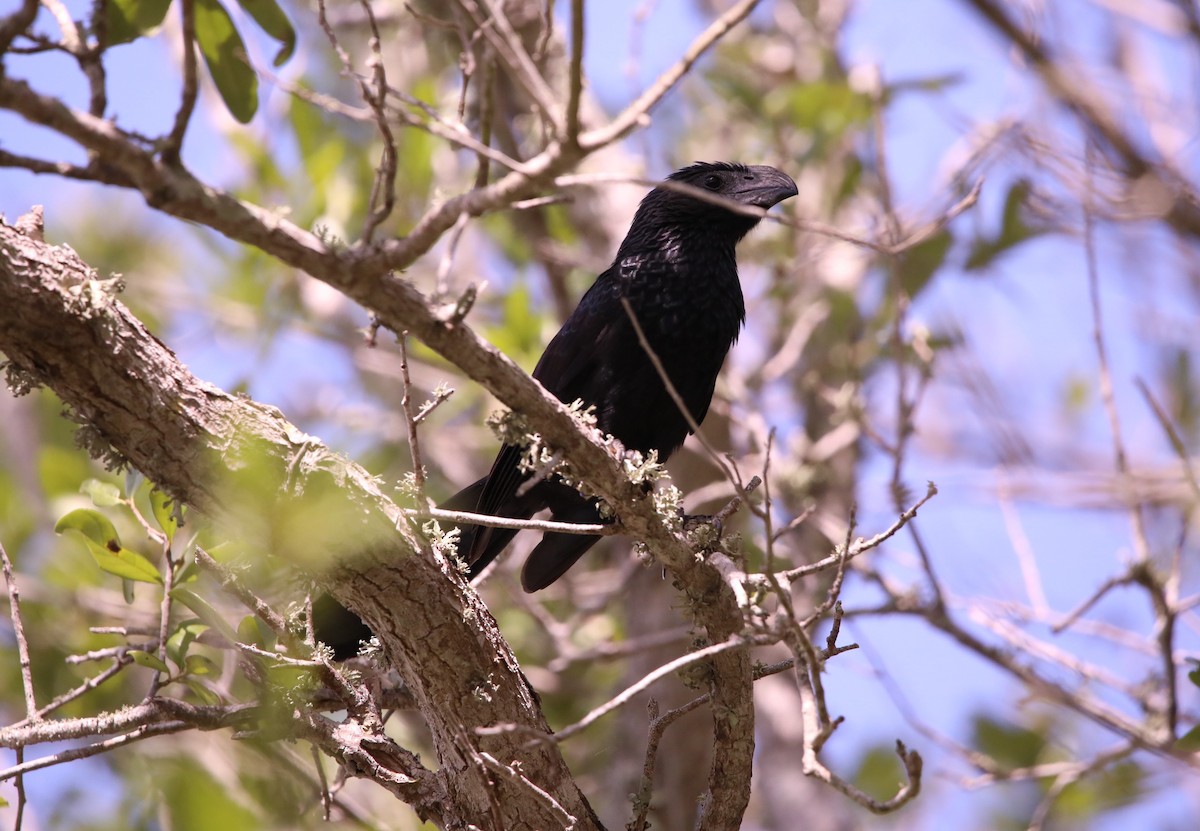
973,347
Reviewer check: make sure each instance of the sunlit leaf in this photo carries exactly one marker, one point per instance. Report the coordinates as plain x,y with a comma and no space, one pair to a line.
94,526
163,508
274,22
200,665
179,640
103,494
226,57
128,20
105,546
1113,787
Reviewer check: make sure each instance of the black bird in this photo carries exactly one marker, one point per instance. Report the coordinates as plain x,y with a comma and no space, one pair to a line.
677,269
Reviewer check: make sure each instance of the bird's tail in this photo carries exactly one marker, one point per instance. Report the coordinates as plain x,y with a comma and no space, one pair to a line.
557,552
478,545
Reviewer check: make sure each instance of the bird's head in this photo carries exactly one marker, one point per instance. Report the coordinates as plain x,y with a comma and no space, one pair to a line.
759,186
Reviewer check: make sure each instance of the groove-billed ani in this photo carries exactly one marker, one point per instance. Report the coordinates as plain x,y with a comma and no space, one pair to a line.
677,269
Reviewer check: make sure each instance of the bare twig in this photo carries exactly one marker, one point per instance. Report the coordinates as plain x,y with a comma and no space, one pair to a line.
164,611
14,608
31,711
514,774
410,417
637,113
489,521
509,48
383,188
629,692
172,145
575,73
862,546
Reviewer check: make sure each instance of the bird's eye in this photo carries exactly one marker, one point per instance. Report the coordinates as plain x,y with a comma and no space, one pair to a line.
712,181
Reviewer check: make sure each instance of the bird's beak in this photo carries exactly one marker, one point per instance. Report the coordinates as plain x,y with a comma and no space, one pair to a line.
764,186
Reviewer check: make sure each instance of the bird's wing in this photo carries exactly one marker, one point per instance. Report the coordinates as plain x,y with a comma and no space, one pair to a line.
571,356
564,369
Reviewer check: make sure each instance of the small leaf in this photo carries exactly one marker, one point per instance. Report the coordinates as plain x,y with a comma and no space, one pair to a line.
163,508
919,263
1189,742
190,573
128,20
1014,229
1194,676
274,22
127,590
202,692
226,57
105,546
251,631
205,612
199,665
182,637
145,659
103,494
94,526
125,563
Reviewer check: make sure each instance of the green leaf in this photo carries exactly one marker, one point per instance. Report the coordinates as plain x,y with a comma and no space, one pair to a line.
932,83
125,563
253,631
105,546
274,22
182,637
202,692
145,659
1189,742
1194,676
1014,229
163,508
127,590
878,772
205,612
190,573
226,57
128,20
103,494
94,526
919,263
200,665
1010,745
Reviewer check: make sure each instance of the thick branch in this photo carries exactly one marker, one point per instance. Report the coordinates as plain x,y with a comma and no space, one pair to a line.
245,464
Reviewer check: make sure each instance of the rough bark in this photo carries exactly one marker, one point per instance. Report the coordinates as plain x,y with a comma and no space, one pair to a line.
220,453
